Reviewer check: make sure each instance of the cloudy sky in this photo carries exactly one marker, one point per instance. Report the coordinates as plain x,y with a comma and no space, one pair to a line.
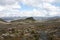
40,8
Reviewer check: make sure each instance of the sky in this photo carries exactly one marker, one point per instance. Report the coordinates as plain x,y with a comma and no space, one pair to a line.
29,8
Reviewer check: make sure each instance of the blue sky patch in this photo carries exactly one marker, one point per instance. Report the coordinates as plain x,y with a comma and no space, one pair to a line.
56,4
26,7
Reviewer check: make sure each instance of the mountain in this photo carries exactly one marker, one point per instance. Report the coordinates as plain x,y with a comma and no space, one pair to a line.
2,20
23,20
41,19
8,19
30,18
53,19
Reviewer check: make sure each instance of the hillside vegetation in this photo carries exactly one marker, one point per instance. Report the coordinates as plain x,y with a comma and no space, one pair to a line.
30,29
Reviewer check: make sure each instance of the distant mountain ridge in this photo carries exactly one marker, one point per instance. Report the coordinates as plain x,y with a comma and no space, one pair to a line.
8,19
2,20
54,19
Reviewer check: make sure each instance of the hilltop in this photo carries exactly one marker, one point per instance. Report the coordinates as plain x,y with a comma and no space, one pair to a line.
24,20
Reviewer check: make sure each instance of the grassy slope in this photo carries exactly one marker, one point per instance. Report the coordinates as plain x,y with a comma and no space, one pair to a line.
30,30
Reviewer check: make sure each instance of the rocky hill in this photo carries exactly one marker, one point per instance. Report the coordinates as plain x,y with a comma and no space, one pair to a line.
24,20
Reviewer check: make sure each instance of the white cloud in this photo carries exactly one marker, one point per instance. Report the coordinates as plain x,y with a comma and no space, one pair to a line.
7,2
45,8
9,10
1,8
45,5
48,1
